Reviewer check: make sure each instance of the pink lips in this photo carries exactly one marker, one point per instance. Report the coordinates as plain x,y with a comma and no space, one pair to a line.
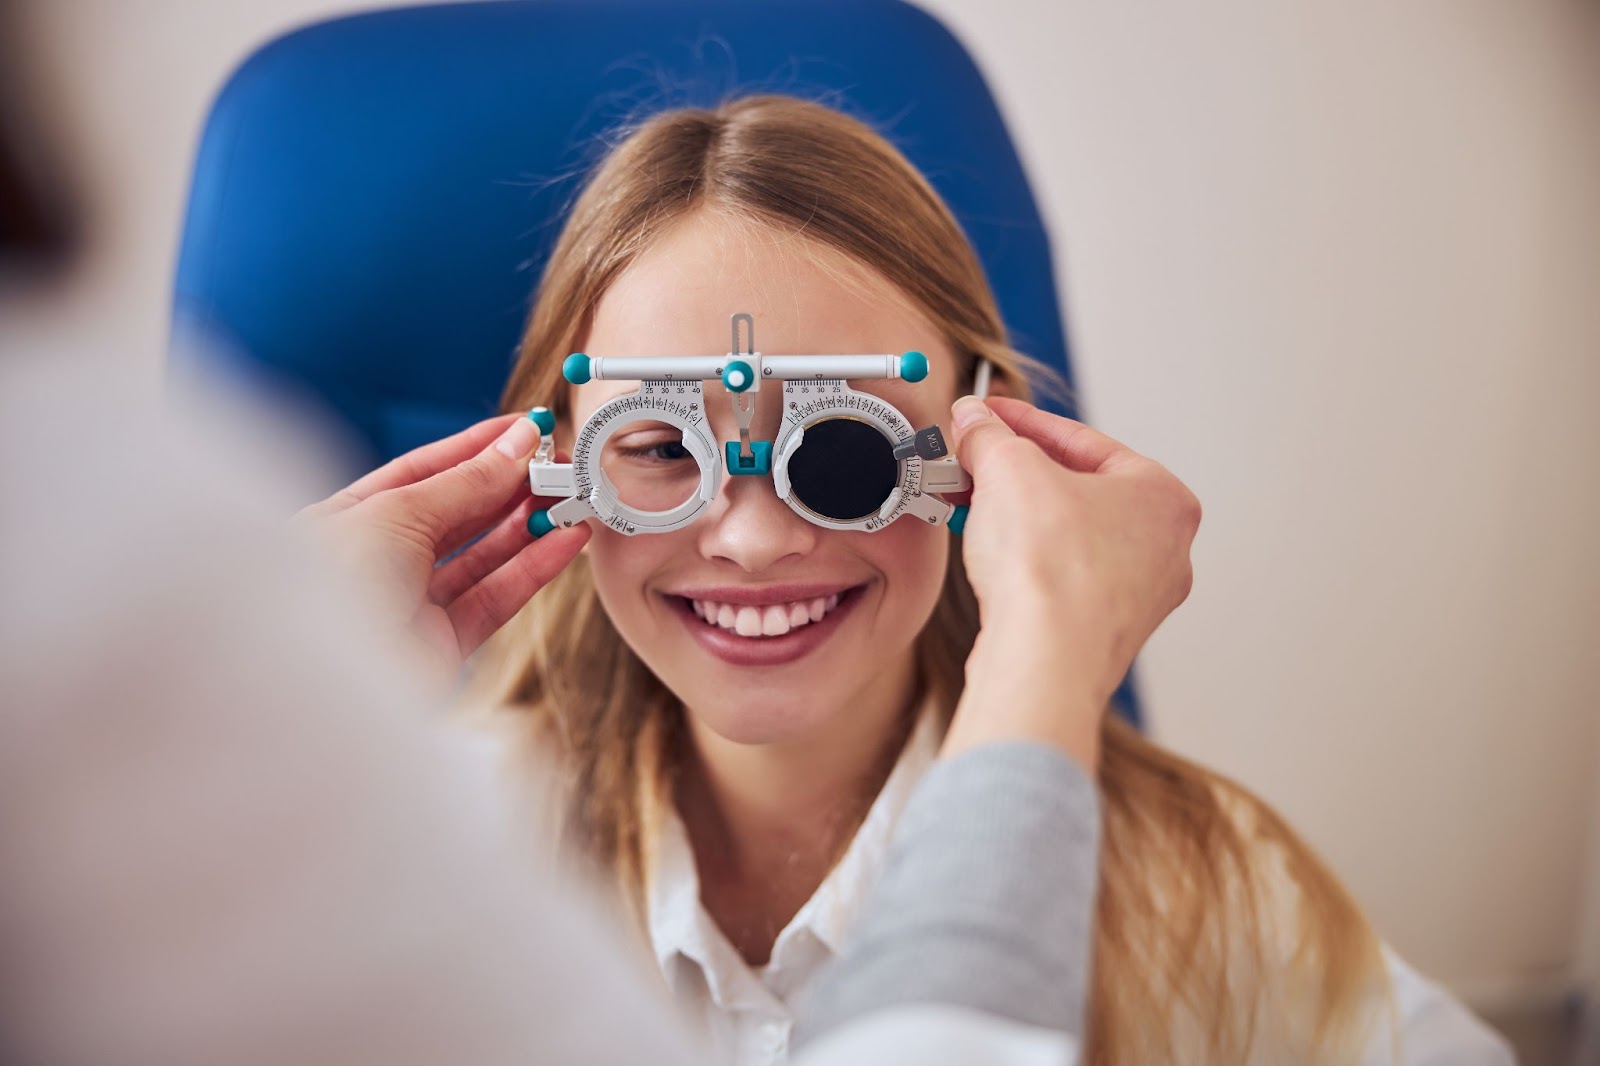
766,651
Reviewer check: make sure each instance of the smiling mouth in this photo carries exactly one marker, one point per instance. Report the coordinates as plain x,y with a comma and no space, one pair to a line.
768,621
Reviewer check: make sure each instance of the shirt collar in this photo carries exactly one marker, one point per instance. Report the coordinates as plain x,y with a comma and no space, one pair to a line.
680,926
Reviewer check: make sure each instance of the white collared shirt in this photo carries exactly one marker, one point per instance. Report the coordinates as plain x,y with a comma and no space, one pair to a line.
747,1013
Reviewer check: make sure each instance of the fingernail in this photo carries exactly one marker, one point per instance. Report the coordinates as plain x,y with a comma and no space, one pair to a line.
519,440
970,409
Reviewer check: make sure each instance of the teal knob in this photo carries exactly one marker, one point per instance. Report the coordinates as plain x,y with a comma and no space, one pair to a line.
576,368
544,418
539,523
958,518
913,366
738,376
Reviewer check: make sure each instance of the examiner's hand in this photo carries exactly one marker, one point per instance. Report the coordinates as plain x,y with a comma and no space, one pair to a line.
1077,548
396,524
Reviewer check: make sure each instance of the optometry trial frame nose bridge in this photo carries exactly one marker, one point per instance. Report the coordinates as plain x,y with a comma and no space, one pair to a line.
815,398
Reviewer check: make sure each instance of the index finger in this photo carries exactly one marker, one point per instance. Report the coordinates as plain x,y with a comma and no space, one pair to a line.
419,464
1072,444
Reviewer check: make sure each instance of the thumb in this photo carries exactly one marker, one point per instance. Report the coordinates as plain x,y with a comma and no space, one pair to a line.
979,432
478,488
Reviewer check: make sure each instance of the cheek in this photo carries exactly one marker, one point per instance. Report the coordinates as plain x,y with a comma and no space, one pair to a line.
621,567
913,558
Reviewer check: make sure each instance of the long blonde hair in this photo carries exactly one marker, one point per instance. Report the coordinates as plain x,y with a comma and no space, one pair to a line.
1209,906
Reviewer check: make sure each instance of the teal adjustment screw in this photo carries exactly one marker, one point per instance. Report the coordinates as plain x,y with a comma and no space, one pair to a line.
958,519
576,368
738,376
544,418
913,366
539,523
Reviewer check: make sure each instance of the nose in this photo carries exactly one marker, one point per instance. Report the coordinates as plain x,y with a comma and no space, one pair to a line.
749,526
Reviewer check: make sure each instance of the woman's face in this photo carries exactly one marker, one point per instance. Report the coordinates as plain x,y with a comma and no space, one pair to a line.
748,554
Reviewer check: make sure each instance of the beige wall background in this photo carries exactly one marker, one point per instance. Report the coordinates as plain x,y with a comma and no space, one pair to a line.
1337,264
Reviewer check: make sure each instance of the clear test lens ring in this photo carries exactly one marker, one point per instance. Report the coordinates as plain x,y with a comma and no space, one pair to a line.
686,413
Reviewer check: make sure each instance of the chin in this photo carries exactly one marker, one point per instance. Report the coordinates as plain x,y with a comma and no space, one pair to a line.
764,717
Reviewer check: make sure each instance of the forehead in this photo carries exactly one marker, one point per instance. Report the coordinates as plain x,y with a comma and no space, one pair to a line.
677,297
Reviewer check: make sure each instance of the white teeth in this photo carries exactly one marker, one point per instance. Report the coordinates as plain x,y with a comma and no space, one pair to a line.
773,620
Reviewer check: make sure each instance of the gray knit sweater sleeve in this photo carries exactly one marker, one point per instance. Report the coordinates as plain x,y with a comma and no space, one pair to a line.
987,899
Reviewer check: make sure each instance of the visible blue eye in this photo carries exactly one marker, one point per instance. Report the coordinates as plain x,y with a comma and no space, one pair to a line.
666,451
671,450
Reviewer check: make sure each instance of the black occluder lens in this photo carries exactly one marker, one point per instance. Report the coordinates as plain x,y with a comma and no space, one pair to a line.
844,469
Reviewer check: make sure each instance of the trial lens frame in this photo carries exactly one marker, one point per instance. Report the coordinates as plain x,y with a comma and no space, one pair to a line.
816,399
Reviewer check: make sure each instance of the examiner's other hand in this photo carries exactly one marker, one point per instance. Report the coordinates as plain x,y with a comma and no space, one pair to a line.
1077,548
395,525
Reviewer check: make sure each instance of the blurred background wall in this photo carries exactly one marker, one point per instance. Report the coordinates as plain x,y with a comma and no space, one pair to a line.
1335,263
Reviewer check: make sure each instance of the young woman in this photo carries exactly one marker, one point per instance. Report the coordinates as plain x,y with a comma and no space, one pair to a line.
741,787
